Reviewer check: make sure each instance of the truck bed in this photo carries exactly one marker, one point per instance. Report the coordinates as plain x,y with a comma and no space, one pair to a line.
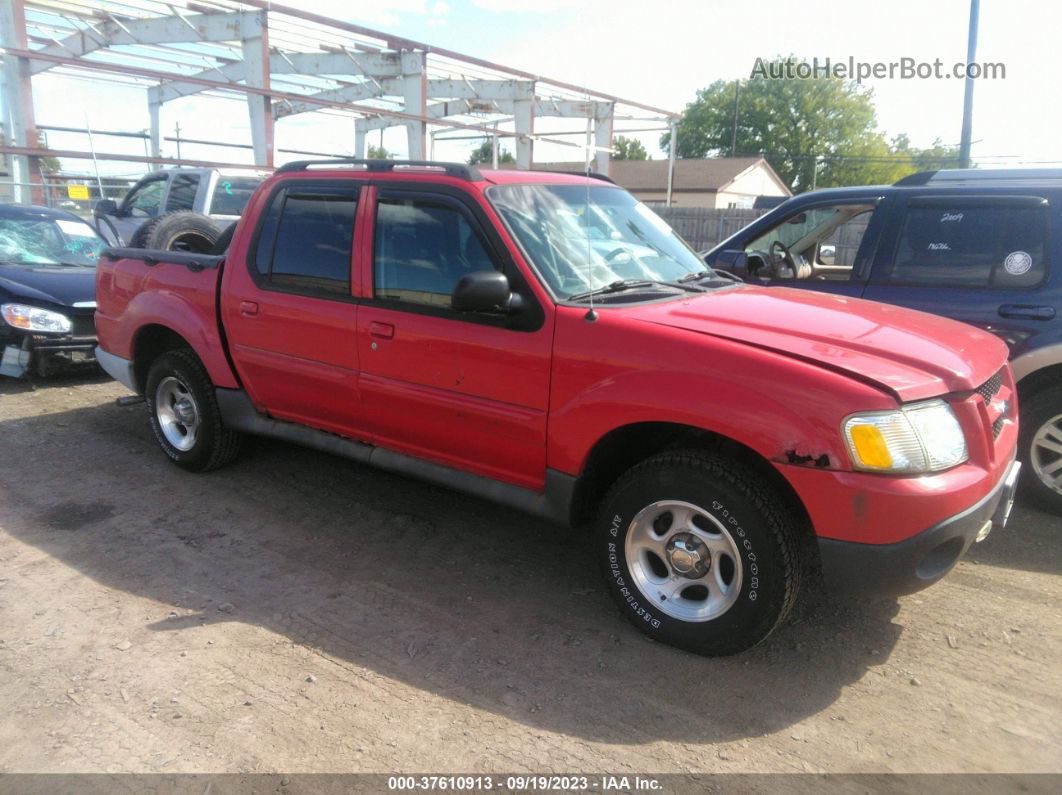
174,288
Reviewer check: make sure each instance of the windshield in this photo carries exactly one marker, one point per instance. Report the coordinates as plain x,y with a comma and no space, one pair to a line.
49,242
561,226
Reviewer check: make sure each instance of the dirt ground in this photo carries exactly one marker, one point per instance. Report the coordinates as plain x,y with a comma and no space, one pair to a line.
297,612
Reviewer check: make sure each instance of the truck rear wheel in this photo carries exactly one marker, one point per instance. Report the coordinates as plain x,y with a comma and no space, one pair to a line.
1040,448
182,230
183,412
698,553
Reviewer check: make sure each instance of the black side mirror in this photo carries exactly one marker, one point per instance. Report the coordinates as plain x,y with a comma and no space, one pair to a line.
734,260
106,207
483,291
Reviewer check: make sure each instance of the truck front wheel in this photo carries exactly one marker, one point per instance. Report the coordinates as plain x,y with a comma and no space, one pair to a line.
184,415
698,553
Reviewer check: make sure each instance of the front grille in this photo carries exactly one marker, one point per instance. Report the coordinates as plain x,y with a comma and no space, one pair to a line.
997,426
989,388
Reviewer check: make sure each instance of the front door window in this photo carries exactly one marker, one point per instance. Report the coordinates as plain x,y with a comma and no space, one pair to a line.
820,243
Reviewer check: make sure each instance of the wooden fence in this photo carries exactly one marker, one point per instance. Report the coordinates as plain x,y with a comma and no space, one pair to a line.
703,227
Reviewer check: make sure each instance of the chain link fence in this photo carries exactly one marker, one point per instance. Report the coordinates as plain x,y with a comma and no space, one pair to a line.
73,194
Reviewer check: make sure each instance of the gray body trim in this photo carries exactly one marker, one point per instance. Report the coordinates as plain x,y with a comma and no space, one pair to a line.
553,504
121,370
1029,363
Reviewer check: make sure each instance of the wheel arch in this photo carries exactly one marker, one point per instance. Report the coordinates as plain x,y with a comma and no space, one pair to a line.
1033,382
151,341
621,448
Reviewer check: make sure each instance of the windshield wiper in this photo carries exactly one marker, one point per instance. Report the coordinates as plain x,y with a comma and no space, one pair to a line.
713,274
628,284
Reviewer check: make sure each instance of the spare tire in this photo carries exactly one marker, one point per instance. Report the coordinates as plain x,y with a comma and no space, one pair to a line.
182,230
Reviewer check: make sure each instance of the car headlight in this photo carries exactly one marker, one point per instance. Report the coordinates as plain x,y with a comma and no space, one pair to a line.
918,438
33,318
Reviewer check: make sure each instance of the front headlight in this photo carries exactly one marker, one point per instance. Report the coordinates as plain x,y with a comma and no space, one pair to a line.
33,318
918,438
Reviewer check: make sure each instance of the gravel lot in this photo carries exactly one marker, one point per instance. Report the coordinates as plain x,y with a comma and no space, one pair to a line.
297,612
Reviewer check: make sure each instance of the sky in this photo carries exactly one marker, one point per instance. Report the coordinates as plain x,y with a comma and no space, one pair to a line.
661,53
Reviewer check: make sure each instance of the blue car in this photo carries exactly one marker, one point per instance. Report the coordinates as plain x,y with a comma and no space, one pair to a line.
973,245
47,289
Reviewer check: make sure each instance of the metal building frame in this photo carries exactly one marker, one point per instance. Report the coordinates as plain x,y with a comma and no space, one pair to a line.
283,60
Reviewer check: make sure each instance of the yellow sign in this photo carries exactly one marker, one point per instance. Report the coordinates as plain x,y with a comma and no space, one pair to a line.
77,191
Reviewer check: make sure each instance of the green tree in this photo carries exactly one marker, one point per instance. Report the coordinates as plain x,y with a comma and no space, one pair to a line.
378,153
484,153
934,157
48,164
628,149
819,131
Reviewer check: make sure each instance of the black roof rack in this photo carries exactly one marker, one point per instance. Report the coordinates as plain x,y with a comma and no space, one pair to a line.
920,178
590,174
459,170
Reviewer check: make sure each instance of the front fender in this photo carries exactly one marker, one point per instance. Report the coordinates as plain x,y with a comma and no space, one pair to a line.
762,422
611,373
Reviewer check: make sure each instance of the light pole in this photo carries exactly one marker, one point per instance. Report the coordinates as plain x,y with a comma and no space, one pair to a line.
967,102
733,129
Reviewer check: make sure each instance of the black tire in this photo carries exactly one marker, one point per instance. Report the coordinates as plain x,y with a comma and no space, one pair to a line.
214,445
764,535
221,245
182,230
1037,410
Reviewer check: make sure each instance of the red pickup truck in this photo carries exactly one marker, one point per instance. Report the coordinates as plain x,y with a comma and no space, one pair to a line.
546,341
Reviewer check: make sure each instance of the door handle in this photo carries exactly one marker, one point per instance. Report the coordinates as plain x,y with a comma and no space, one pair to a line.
1027,311
384,331
248,308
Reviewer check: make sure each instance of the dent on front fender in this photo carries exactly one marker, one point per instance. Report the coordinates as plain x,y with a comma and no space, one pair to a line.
768,426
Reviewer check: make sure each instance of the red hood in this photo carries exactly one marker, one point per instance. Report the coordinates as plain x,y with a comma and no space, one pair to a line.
911,354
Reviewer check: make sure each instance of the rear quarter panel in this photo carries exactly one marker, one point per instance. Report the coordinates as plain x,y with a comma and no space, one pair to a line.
132,295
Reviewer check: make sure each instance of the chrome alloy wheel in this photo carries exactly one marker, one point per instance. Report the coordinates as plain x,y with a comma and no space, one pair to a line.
177,413
683,560
1046,453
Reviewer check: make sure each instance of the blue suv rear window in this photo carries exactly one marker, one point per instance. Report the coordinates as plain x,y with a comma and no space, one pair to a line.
972,245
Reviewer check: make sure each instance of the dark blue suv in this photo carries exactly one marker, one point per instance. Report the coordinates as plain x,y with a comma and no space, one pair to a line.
974,245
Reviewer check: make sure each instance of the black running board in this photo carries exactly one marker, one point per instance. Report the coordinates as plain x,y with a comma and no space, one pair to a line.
553,504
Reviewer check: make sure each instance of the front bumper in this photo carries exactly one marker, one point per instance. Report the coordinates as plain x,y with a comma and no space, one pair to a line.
919,561
22,351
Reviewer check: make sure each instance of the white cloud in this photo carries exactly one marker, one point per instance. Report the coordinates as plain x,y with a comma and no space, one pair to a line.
662,55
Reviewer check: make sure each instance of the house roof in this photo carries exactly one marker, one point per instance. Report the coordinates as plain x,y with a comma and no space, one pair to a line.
711,174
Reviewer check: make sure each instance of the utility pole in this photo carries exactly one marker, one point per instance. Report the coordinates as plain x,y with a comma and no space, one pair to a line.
733,130
967,102
177,137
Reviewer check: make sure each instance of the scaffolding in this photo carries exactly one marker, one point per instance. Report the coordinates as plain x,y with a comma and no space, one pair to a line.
284,61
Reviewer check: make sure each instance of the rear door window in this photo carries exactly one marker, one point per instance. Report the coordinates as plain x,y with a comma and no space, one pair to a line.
182,192
974,243
306,239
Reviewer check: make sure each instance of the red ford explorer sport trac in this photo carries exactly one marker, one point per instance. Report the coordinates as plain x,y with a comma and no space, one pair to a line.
548,342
